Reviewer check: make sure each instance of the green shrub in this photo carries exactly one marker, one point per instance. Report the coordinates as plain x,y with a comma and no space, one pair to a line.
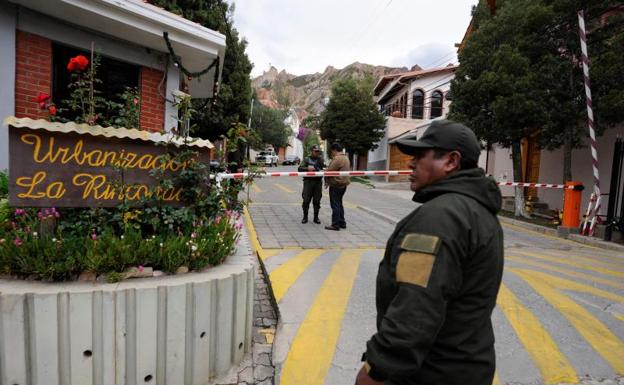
51,258
58,245
4,184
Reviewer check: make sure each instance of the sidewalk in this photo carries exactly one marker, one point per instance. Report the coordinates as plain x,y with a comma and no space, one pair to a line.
401,189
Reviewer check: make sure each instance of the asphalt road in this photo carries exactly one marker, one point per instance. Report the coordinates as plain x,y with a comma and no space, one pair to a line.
560,313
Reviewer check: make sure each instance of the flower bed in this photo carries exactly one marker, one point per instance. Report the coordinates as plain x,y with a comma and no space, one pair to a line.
84,242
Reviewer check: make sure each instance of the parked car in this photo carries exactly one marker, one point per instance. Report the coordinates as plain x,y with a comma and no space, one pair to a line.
215,165
291,160
267,158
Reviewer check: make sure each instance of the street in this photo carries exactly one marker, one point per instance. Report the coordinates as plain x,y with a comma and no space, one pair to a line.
560,313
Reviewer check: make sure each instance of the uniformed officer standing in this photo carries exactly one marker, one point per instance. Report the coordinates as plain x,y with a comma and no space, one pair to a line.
438,280
312,185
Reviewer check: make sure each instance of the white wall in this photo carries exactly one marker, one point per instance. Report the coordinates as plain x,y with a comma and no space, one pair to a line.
500,166
551,170
7,77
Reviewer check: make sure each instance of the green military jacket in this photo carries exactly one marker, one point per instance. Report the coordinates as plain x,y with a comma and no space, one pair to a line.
437,287
317,163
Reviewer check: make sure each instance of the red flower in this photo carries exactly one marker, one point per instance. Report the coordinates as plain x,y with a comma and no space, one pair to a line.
52,110
42,98
78,63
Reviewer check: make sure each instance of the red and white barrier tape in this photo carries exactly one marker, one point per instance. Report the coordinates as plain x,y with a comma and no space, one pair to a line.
241,175
541,185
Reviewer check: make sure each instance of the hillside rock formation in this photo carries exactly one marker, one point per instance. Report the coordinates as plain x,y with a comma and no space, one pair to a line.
308,94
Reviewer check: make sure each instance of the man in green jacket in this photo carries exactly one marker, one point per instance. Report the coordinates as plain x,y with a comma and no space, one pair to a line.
439,278
312,185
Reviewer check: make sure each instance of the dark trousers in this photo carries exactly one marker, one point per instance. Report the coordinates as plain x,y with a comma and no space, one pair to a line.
312,191
335,201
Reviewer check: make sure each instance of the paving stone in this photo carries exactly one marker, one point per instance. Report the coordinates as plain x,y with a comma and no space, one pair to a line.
263,372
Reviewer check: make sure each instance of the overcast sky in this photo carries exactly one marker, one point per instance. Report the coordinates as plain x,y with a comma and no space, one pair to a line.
305,36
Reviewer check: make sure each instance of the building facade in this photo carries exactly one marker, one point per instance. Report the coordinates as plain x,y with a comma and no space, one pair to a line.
410,101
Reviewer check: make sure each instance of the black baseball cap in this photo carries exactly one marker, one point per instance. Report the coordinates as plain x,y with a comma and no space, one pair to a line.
445,135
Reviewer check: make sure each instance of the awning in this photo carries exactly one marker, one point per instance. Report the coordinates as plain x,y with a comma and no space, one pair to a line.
108,132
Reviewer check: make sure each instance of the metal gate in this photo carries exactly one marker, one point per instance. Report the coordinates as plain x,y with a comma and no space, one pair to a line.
615,210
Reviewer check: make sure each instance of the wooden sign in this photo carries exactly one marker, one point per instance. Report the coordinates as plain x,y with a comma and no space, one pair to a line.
59,169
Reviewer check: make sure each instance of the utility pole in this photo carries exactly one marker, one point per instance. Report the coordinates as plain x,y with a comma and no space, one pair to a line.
249,128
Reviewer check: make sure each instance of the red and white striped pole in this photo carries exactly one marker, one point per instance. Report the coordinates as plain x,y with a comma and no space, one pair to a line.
590,113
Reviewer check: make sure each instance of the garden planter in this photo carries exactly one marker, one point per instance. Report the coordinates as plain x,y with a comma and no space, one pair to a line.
178,329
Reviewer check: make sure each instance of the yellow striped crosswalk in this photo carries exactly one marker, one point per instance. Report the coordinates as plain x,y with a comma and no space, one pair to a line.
605,342
311,353
592,278
570,262
284,276
536,340
284,188
573,286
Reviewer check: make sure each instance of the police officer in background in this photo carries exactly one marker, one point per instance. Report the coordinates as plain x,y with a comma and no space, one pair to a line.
312,185
439,278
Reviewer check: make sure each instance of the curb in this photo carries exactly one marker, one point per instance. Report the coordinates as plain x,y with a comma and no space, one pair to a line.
379,215
596,242
257,249
582,239
527,226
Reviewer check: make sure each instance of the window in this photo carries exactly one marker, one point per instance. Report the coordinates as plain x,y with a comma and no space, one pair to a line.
114,74
418,100
436,104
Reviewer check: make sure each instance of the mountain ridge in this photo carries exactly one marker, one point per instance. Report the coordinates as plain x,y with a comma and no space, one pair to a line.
307,93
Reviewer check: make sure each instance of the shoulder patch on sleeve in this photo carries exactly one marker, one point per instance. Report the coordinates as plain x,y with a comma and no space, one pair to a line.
414,268
423,243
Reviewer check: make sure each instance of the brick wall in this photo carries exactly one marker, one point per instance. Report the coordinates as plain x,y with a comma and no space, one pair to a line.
152,103
33,73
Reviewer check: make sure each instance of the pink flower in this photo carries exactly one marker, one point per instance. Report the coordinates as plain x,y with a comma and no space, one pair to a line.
135,101
218,220
19,212
18,242
94,236
40,215
193,235
141,268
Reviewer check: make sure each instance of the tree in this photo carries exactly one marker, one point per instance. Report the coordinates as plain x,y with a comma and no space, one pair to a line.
519,76
352,117
270,126
213,120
